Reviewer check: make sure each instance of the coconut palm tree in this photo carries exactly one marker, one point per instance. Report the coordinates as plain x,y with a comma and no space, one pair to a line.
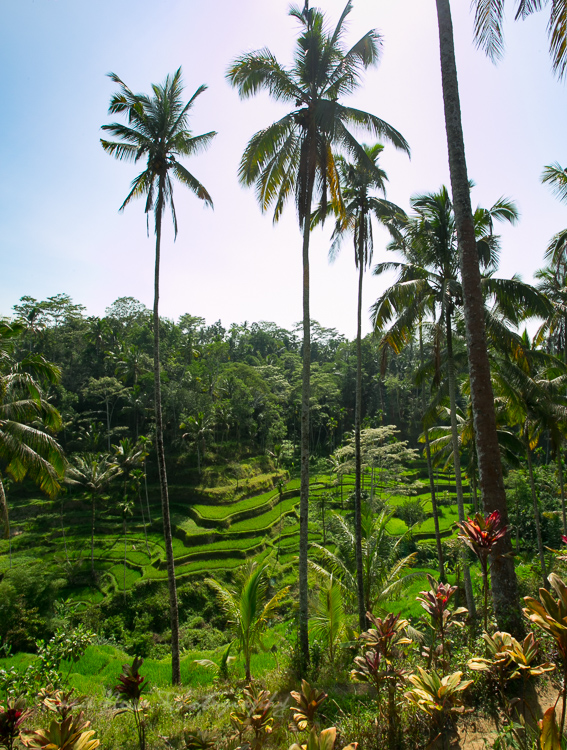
157,131
504,582
358,179
488,27
529,383
429,284
248,608
93,473
27,449
552,282
130,457
294,156
385,574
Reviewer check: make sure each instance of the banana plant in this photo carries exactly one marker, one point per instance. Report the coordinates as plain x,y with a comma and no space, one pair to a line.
481,534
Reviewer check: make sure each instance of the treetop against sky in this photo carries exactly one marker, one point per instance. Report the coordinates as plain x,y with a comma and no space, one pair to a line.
61,230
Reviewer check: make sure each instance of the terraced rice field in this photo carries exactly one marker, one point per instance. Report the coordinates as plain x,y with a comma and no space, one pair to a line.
208,537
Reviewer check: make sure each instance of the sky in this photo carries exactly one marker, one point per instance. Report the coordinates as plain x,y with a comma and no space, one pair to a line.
60,228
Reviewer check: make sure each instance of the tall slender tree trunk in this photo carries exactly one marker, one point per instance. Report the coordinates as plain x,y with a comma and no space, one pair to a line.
92,531
561,487
144,523
304,487
4,511
504,583
457,462
5,517
540,548
125,551
173,608
63,531
146,489
357,453
430,470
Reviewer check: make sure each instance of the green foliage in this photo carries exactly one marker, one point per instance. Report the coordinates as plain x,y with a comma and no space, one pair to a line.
441,619
438,697
46,668
323,741
27,593
248,608
129,691
411,512
254,716
73,733
308,701
222,668
328,623
510,659
11,719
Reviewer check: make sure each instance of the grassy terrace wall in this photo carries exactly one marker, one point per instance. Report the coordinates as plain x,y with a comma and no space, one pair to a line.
214,528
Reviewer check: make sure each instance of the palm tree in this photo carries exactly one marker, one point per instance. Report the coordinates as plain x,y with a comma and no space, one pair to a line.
27,449
294,156
552,282
385,574
157,130
93,473
488,27
504,582
130,457
528,385
429,284
248,609
329,622
199,428
357,180
432,489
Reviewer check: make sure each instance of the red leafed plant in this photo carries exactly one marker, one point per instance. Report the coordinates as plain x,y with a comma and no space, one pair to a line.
481,534
436,603
129,697
11,718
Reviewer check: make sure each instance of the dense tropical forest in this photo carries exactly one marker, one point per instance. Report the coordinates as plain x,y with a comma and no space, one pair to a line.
248,536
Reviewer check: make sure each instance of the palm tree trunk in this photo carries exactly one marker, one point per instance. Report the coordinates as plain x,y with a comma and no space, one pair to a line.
457,462
430,470
147,495
504,583
4,511
92,532
304,487
536,516
125,550
173,608
357,454
562,488
63,530
5,518
144,523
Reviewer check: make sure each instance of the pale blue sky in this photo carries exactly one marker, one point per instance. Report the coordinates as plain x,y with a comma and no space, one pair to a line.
60,230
